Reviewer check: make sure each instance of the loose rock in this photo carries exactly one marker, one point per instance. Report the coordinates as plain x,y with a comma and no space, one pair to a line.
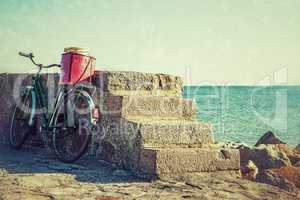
3,172
269,138
229,145
291,153
292,174
297,164
250,171
264,157
272,178
297,148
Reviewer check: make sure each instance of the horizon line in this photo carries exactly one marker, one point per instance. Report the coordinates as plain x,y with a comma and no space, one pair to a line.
245,85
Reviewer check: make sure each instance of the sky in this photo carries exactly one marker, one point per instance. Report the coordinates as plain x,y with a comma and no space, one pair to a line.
206,42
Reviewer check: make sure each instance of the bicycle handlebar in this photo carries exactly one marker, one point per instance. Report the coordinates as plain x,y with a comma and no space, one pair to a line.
27,55
31,56
50,66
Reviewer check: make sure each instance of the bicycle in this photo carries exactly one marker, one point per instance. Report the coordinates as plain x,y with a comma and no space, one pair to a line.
69,122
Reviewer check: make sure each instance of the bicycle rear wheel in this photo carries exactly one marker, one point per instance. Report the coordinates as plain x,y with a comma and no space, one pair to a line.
72,132
19,127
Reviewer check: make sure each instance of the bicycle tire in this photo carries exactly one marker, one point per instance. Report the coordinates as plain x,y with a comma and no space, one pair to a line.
17,137
59,137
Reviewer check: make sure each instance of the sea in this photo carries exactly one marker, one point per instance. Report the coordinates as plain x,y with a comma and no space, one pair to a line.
245,113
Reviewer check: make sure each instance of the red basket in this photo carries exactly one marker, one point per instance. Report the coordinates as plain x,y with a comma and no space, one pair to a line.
76,68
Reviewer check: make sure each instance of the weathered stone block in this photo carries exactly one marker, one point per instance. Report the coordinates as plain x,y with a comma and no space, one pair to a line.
159,161
137,83
148,106
154,132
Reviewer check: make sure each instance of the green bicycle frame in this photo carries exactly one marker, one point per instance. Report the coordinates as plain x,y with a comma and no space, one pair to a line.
39,100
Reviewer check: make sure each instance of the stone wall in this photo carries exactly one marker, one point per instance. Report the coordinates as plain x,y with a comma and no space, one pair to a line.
11,86
111,86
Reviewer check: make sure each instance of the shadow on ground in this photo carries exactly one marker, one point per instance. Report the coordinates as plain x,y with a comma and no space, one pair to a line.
34,160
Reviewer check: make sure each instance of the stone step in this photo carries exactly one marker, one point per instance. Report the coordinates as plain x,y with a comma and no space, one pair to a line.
128,83
159,162
148,106
120,140
166,133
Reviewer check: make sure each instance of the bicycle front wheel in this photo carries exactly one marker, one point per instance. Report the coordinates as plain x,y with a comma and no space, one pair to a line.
73,124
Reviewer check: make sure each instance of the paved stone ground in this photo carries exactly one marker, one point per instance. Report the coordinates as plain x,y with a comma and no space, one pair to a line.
27,175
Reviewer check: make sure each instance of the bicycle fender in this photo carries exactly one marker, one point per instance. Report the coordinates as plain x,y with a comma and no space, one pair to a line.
88,88
90,101
81,92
